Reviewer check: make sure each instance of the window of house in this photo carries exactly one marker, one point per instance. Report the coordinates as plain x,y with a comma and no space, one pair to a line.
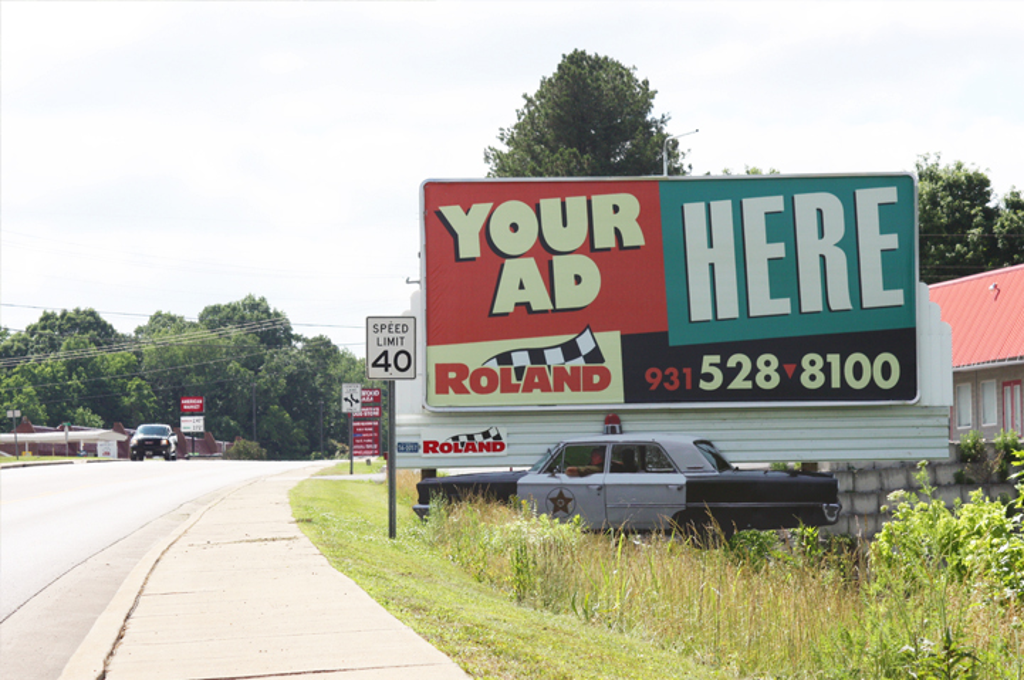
963,405
1012,415
988,402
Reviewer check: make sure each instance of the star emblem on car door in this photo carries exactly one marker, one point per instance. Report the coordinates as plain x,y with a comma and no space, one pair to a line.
561,501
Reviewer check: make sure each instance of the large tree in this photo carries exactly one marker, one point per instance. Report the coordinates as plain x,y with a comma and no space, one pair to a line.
47,335
964,230
591,118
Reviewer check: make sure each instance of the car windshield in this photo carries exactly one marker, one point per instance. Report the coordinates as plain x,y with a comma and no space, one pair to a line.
155,430
716,459
539,465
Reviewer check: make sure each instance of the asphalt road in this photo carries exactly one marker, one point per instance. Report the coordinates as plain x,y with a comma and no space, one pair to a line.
69,534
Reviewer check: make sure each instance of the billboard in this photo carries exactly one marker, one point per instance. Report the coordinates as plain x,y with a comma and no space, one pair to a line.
670,292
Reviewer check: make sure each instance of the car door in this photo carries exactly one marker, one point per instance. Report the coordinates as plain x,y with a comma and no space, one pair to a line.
643,488
570,484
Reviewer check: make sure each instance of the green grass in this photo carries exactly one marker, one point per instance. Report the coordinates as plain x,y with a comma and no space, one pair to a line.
359,467
478,626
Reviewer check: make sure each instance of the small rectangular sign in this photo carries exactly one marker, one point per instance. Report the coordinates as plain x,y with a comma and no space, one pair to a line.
106,449
193,404
351,397
193,423
391,348
368,412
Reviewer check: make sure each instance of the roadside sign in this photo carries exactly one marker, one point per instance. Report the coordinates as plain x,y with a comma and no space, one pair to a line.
106,449
193,404
366,438
351,397
391,348
193,424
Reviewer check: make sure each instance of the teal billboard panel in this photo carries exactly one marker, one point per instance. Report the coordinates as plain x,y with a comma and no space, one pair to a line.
759,258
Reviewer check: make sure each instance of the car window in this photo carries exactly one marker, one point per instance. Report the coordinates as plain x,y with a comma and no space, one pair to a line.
159,430
578,460
544,462
716,459
654,459
624,458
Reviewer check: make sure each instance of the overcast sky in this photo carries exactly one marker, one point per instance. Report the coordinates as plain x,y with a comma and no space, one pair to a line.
170,155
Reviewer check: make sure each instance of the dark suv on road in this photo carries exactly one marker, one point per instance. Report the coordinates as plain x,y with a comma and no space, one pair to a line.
154,440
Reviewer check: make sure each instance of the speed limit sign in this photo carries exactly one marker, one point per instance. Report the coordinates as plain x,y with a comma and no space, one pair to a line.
391,347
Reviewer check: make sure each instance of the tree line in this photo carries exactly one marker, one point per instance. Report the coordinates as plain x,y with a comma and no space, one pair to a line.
261,380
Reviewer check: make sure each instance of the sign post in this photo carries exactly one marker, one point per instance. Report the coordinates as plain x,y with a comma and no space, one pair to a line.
390,356
14,415
351,402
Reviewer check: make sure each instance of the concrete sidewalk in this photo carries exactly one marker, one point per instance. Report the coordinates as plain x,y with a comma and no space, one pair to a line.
239,592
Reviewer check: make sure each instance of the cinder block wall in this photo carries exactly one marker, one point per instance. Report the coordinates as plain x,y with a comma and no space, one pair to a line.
865,488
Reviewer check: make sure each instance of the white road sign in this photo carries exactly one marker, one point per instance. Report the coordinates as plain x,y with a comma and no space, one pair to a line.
193,424
391,347
351,397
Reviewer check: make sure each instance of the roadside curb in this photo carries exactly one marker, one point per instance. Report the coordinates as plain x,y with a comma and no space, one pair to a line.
70,461
89,660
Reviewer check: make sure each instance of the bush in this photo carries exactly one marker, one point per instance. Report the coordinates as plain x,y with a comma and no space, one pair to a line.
243,449
972,447
1006,443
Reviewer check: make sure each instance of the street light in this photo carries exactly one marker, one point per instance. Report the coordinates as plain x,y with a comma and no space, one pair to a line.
664,150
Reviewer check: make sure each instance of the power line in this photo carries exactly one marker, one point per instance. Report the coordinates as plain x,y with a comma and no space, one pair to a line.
134,345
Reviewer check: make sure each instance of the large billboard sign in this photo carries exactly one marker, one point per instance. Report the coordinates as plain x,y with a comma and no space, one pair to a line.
725,290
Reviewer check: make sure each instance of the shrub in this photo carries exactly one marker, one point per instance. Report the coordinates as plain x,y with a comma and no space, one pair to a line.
243,449
1006,443
972,447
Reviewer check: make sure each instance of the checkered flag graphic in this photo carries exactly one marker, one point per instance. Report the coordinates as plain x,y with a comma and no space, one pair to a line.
489,435
583,349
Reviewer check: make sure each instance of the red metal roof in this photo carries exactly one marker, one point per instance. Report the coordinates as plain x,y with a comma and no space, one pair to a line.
986,312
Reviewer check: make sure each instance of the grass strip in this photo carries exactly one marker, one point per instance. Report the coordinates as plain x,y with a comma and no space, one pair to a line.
477,626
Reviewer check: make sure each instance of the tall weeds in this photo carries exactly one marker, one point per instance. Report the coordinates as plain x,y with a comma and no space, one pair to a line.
761,604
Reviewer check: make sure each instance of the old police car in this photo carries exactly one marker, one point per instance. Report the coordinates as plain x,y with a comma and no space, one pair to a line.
651,481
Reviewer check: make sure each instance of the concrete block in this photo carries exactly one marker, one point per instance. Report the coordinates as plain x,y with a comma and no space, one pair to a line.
895,478
845,480
945,473
867,481
864,503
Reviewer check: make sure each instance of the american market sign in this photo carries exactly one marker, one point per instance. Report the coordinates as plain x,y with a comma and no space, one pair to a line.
723,291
